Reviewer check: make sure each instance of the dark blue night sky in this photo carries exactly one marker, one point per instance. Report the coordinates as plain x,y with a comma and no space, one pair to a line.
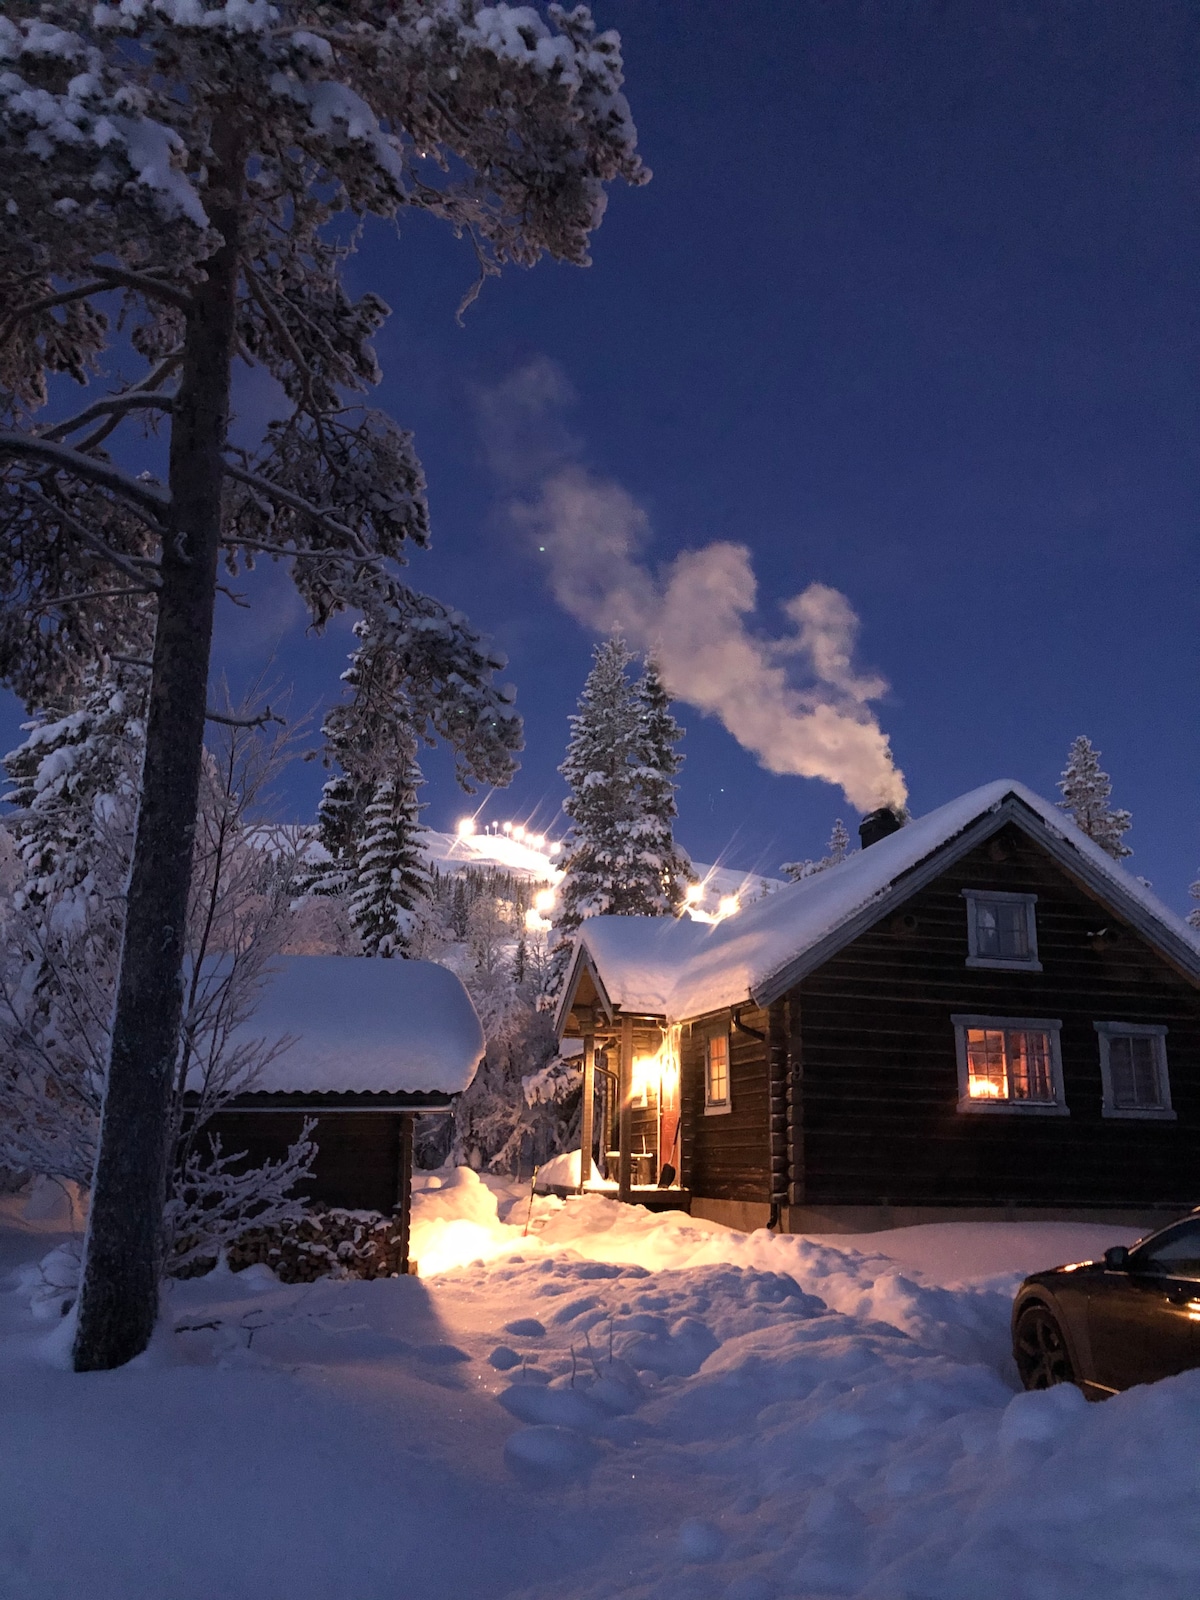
909,309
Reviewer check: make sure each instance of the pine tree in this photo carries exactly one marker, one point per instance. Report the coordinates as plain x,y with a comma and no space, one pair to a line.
838,847
391,877
664,870
1086,794
601,769
1193,915
198,166
836,852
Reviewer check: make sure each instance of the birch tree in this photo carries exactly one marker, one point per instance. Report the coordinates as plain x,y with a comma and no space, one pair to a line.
188,180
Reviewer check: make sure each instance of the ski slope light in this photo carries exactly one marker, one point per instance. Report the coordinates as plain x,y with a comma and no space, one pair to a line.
466,827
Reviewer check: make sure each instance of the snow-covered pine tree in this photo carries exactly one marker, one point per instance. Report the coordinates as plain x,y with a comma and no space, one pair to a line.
663,868
179,179
1086,795
600,769
836,852
838,847
1193,915
391,881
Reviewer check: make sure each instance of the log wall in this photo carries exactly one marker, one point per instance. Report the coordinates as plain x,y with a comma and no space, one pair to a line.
727,1156
874,1080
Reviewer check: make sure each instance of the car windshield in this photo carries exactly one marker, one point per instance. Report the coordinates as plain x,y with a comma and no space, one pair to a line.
1175,1251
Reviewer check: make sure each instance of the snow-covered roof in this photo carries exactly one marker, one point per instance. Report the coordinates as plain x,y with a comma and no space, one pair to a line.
364,1026
680,969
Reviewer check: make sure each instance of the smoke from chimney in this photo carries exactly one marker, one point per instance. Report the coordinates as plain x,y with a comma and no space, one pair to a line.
795,701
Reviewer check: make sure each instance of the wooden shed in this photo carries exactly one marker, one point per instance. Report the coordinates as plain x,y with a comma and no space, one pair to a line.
978,1015
371,1044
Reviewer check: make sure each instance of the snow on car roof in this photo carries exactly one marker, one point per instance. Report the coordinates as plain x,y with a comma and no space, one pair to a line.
360,1025
681,969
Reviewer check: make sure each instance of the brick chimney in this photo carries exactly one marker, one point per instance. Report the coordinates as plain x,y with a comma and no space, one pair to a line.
877,825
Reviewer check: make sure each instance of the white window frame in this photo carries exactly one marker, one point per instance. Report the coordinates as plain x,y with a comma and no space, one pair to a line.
1010,1108
718,1108
1029,963
1140,1030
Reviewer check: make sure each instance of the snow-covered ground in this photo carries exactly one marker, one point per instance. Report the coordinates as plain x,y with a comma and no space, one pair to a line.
610,1404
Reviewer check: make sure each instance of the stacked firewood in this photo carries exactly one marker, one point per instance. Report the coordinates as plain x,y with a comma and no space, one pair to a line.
322,1243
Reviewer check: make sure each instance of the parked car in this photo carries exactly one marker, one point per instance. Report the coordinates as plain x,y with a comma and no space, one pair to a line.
1132,1317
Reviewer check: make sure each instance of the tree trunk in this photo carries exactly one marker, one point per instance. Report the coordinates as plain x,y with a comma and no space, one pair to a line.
122,1260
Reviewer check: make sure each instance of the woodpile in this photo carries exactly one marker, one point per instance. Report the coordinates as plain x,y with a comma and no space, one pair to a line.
325,1242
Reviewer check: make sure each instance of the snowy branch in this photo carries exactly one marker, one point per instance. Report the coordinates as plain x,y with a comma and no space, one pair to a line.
112,406
155,288
260,721
295,502
146,498
140,569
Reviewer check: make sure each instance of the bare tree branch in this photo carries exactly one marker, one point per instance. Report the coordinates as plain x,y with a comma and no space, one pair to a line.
147,499
260,721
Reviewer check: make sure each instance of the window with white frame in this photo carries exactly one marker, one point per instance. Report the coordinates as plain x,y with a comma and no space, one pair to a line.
716,1073
1133,1069
1001,929
1009,1064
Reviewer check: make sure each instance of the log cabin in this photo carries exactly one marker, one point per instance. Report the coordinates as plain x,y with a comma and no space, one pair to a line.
367,1045
979,1015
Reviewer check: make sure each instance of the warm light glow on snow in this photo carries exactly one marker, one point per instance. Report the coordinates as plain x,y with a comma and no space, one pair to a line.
444,1245
728,906
544,900
694,893
466,827
518,832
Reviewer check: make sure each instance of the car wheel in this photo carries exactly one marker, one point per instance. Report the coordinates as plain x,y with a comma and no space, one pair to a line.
1040,1349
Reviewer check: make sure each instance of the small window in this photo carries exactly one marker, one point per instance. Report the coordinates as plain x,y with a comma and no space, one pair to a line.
1001,929
716,1073
1009,1064
1133,1068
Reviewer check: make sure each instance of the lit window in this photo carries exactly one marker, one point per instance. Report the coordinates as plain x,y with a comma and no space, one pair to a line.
1133,1068
1009,1064
716,1072
1001,929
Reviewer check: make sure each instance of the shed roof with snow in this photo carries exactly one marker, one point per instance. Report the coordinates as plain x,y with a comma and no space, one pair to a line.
364,1026
679,969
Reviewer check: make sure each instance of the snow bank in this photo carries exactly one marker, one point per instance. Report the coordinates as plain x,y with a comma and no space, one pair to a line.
562,1172
613,1406
365,1026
